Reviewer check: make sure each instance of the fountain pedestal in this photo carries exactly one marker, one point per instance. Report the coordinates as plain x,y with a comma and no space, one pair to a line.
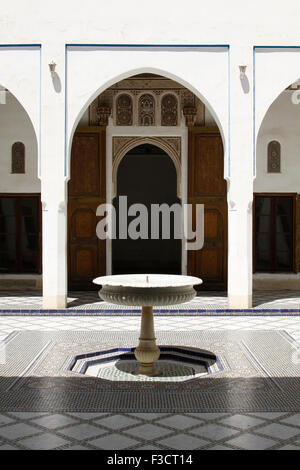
145,291
147,351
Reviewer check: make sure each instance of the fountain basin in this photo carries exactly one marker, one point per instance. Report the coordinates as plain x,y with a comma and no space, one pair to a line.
176,364
143,296
147,289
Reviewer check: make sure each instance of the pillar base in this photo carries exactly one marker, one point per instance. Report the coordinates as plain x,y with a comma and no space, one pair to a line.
55,302
147,352
239,301
148,370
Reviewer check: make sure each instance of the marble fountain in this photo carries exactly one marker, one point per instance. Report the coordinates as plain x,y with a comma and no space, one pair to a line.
147,361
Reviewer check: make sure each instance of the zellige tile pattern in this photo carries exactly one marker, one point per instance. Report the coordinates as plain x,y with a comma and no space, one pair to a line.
19,430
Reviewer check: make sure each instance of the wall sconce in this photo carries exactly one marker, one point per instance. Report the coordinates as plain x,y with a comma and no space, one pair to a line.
52,67
243,71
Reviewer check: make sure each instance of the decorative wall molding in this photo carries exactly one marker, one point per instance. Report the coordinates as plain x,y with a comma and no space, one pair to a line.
168,102
103,113
169,110
123,144
124,110
190,113
18,158
146,110
274,157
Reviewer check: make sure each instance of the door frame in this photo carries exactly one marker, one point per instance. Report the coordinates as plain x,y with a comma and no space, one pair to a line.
143,135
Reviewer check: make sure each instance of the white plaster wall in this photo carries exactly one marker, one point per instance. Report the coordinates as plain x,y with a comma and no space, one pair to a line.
20,73
212,75
193,68
282,123
170,21
15,126
275,69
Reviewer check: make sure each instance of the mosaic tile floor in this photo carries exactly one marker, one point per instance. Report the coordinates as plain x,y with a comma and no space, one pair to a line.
153,431
205,302
39,373
136,431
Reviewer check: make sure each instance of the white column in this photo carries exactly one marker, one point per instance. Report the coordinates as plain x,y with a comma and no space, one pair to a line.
240,185
54,195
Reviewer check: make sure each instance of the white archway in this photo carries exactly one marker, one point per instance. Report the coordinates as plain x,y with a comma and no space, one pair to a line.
157,135
20,187
275,70
195,70
279,123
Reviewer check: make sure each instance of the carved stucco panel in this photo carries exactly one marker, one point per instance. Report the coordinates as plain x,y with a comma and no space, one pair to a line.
122,145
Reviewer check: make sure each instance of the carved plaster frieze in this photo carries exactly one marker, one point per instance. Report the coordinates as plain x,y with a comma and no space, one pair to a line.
143,83
136,88
190,113
175,143
120,143
123,144
103,113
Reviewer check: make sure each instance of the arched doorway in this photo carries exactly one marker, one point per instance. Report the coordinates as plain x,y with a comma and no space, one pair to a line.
147,175
276,208
108,135
20,197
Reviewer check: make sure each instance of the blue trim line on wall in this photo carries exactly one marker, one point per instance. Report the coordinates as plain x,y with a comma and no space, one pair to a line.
284,312
147,45
276,47
20,45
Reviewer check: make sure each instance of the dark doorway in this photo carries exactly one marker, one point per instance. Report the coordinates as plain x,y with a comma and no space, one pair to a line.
274,233
20,233
147,175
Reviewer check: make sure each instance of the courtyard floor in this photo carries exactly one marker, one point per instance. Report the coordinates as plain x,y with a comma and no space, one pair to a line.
205,302
154,430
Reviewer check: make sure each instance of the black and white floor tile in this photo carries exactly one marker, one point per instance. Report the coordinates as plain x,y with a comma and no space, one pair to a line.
153,431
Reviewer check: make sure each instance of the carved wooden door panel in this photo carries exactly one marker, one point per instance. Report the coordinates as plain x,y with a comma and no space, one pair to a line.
86,253
207,186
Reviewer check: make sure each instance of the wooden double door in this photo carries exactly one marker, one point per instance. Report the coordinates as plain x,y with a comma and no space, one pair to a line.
87,189
86,252
206,185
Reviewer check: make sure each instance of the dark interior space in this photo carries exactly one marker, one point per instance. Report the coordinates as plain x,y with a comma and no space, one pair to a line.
147,175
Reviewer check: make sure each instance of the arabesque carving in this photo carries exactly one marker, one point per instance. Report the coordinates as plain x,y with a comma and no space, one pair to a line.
122,145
